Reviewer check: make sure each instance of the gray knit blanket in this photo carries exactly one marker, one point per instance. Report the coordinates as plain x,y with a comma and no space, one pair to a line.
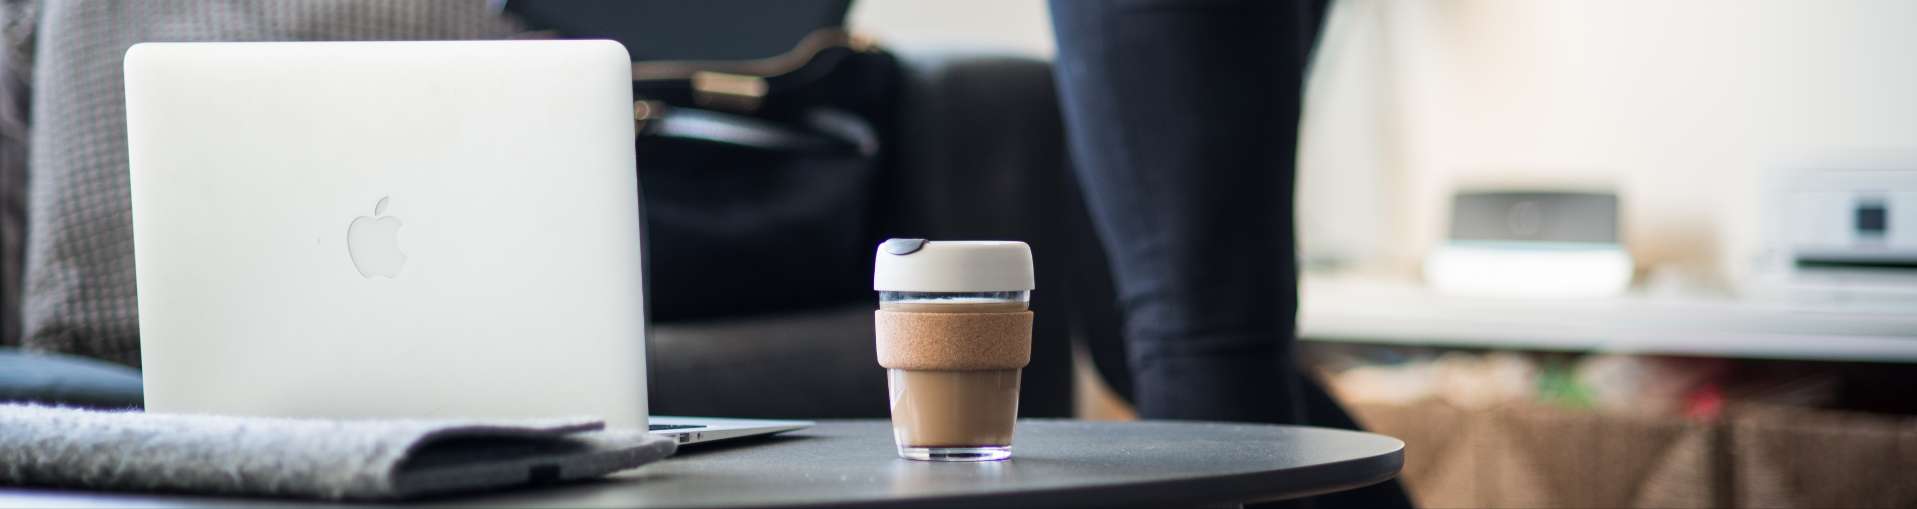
308,458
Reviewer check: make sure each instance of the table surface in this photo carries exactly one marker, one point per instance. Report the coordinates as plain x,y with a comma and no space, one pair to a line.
851,463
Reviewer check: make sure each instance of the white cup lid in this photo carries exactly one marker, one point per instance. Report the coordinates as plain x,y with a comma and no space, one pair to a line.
917,265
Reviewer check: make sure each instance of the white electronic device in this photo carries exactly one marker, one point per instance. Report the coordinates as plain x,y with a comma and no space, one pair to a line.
1864,218
1842,230
390,229
1531,245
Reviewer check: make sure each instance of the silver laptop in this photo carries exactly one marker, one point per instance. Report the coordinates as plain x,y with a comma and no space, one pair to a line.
391,229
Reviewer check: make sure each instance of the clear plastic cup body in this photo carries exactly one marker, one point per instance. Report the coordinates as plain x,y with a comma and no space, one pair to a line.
956,302
954,415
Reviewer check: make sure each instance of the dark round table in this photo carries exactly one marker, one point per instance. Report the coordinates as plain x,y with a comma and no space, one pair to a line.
1054,463
851,463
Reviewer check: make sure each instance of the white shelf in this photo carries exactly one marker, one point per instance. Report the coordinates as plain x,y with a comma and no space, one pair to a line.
1364,311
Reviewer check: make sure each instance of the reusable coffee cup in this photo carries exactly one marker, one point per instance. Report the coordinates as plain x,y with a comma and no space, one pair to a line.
954,332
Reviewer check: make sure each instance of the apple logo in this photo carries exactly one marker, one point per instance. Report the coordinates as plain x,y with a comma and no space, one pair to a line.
374,244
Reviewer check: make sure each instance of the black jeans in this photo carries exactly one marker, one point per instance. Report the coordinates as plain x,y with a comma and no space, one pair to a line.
1182,117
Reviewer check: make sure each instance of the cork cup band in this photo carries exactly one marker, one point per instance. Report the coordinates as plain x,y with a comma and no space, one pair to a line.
954,341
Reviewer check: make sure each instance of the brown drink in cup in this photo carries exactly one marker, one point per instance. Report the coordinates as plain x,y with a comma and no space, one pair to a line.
953,334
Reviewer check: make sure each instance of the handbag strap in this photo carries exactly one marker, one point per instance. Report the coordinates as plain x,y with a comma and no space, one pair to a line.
830,129
742,85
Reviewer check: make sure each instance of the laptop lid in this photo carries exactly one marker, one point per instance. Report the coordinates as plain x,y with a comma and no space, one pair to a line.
392,229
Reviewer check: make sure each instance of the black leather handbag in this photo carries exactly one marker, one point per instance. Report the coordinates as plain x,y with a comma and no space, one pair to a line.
758,177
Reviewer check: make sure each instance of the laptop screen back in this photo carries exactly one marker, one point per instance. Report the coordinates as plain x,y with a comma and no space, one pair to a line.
387,229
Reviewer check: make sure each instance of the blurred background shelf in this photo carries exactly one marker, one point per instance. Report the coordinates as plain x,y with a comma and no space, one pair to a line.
1355,310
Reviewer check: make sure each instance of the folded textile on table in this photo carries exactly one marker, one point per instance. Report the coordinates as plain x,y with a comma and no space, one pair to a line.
313,458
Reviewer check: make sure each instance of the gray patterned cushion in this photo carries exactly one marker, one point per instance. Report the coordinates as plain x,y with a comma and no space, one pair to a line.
79,283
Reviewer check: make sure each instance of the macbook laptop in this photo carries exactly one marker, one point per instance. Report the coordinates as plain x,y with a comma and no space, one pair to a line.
392,229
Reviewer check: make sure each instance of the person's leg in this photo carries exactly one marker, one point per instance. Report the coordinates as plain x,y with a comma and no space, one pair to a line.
1182,117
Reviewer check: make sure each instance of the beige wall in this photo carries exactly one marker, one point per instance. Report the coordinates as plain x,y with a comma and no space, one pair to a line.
1016,26
1681,107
